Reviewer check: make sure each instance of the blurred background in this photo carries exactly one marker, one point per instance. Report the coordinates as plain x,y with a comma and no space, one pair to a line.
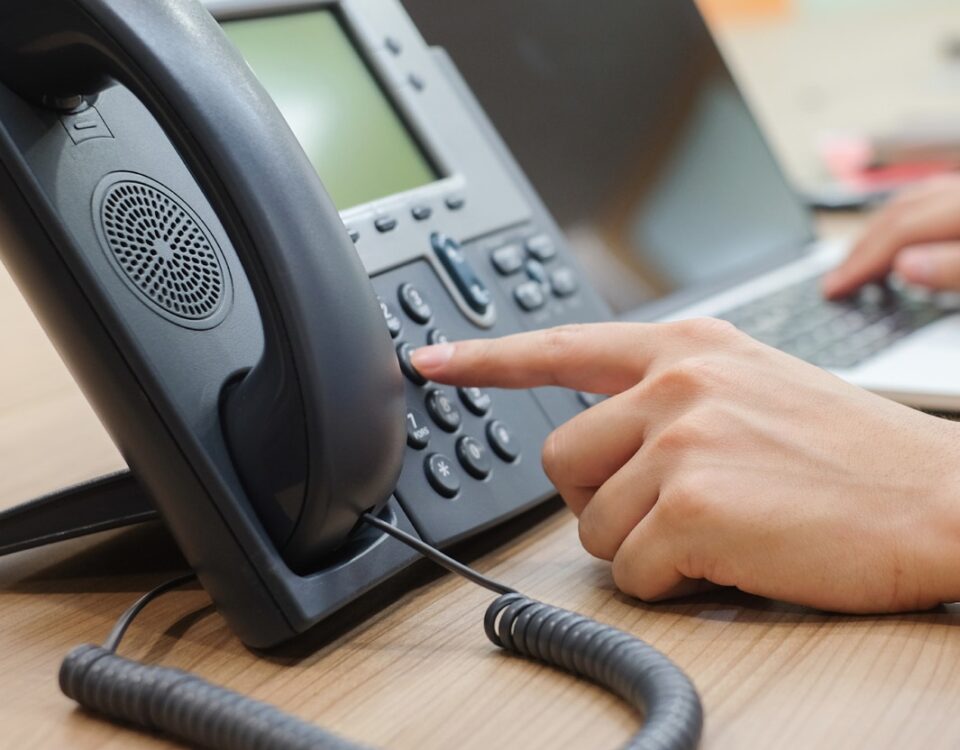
671,163
813,69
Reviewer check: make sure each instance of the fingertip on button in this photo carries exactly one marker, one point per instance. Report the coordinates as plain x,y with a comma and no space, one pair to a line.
410,370
432,357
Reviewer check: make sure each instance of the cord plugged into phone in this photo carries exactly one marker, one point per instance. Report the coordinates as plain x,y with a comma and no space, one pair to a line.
198,713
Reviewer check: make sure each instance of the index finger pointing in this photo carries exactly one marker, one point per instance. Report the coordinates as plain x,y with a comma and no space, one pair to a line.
600,358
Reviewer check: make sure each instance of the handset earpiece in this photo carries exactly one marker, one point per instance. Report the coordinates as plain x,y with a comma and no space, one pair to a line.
315,428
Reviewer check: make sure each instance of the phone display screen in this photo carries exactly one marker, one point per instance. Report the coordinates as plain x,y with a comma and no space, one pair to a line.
351,131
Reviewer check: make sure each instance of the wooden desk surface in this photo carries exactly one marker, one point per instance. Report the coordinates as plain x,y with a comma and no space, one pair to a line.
420,673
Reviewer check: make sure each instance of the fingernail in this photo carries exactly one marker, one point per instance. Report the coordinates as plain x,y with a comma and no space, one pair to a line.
916,265
432,357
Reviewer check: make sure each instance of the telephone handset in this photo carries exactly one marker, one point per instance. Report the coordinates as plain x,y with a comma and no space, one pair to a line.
326,387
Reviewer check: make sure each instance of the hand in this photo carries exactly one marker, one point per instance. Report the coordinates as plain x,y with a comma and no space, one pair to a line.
718,459
917,234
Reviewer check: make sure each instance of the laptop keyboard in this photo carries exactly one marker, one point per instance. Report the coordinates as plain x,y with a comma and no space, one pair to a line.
836,335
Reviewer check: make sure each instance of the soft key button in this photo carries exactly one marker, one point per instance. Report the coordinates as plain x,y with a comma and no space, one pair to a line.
451,255
421,213
385,224
455,202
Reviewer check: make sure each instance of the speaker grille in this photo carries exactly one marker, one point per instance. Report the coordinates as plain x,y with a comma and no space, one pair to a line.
163,250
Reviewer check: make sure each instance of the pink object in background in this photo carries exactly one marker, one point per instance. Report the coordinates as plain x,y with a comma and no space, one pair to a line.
871,164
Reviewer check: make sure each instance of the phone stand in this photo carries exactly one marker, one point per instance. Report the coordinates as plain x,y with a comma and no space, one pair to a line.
366,560
104,503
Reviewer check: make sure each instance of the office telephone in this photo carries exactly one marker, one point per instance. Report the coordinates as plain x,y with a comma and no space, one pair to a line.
242,328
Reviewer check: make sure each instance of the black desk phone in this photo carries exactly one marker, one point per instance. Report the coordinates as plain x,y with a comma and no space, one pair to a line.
242,329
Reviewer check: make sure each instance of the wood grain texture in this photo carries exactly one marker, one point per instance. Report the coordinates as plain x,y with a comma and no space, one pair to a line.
419,673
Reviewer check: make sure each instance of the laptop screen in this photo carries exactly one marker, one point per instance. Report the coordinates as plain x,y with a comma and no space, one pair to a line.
630,126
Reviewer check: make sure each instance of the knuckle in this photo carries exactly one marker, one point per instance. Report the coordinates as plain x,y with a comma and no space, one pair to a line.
561,342
624,576
687,501
688,377
900,202
678,438
479,351
896,226
591,535
628,574
552,455
706,329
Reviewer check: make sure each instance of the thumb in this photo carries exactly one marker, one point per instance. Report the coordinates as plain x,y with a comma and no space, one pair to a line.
935,266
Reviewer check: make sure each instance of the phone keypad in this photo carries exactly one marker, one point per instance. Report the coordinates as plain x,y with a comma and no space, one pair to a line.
464,469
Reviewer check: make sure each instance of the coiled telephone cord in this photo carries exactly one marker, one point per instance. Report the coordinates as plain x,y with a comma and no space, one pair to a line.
200,714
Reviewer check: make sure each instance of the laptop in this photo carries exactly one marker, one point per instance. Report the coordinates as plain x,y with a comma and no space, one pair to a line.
631,127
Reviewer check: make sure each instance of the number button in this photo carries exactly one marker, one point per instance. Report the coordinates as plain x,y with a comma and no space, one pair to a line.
406,366
418,433
390,317
436,336
502,441
442,410
441,475
475,400
413,304
474,457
